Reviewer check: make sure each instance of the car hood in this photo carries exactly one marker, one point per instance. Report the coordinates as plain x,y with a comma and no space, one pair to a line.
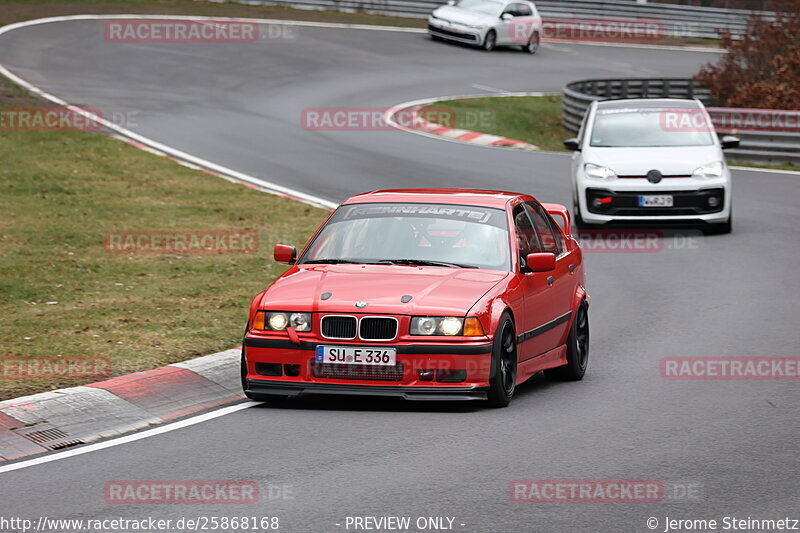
674,161
462,16
434,290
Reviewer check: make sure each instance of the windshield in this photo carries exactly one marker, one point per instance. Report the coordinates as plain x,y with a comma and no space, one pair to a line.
485,7
648,127
418,234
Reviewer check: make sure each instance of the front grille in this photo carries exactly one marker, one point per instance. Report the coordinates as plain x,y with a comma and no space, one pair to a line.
451,33
626,203
378,328
357,372
339,327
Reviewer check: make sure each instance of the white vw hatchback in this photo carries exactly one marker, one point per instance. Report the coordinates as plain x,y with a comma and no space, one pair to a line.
650,160
488,23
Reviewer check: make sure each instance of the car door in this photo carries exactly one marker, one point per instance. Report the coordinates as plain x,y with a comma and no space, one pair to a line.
534,288
522,24
505,28
555,313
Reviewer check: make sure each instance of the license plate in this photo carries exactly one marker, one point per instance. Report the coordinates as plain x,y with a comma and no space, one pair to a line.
356,355
653,200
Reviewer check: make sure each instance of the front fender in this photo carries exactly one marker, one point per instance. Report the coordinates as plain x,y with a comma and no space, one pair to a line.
254,305
491,306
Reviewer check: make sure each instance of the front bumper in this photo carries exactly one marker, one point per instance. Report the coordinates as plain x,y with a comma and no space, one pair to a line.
291,388
429,370
454,32
691,201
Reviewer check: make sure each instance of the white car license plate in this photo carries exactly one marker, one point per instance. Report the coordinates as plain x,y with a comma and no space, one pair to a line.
653,200
356,355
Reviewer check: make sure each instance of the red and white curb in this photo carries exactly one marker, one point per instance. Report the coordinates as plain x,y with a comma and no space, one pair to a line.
64,418
464,136
420,126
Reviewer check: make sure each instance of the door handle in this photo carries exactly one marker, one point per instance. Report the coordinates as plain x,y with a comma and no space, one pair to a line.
550,280
572,269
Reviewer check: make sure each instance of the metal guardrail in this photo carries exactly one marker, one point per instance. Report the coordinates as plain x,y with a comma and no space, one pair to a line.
765,147
673,20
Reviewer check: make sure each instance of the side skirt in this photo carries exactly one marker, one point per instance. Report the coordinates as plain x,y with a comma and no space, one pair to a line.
551,359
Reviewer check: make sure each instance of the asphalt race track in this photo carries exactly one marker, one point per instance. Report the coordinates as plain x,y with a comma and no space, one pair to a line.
733,443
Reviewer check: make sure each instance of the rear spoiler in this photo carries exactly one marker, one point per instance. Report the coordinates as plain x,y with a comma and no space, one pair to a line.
561,215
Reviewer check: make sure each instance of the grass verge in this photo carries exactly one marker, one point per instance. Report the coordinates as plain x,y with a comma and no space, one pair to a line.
18,10
63,295
532,119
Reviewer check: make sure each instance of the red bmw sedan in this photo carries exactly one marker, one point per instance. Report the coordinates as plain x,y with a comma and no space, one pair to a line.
424,294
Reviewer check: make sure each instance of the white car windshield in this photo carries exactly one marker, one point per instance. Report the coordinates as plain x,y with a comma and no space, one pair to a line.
629,127
413,234
485,7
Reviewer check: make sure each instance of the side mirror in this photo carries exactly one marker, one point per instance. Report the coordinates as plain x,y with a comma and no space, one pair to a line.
729,141
283,253
506,16
572,144
541,262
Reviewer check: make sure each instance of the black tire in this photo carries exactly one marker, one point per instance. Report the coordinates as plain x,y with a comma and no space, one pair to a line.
578,220
533,43
490,41
257,397
503,376
719,229
577,349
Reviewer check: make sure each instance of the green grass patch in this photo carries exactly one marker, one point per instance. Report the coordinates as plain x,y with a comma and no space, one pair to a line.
61,192
18,10
532,119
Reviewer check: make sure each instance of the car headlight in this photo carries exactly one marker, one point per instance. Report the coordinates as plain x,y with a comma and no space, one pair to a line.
709,171
475,26
445,325
596,172
280,320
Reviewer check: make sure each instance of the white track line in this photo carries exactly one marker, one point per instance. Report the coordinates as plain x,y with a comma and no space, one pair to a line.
267,186
128,438
773,170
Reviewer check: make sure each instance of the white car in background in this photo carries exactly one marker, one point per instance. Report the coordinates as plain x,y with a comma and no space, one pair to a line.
488,23
650,161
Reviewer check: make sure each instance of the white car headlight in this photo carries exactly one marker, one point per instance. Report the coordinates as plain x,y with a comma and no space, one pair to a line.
279,321
709,171
436,325
596,172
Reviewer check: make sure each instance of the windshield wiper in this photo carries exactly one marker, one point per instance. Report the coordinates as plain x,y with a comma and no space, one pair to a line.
332,262
422,262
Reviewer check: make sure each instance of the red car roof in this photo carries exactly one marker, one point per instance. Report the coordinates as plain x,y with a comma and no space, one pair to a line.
477,197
